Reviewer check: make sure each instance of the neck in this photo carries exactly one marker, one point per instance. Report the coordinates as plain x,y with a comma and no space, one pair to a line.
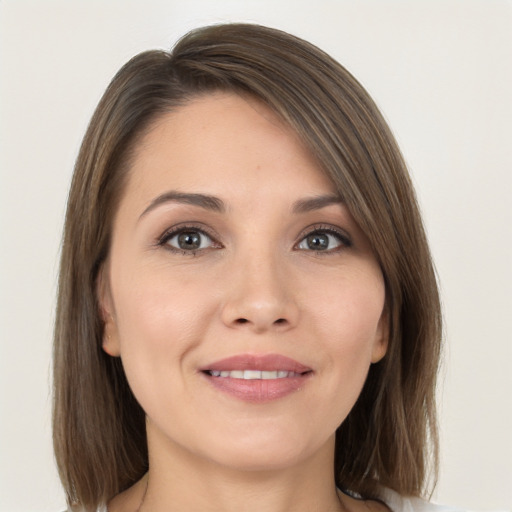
179,480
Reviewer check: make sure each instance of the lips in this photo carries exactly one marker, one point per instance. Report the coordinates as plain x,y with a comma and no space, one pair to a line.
265,362
257,378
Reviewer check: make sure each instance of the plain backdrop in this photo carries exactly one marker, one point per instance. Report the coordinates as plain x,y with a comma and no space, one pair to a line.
440,70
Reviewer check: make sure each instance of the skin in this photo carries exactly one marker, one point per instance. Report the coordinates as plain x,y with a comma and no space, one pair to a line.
255,286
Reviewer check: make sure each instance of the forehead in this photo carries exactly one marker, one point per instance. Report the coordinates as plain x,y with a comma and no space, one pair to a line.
222,143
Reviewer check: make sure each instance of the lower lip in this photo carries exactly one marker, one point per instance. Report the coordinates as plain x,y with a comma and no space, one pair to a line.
258,390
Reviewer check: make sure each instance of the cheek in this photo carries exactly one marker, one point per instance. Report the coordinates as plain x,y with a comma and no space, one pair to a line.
159,321
348,320
156,307
350,310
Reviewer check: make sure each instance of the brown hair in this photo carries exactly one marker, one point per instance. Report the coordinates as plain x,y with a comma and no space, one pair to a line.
390,435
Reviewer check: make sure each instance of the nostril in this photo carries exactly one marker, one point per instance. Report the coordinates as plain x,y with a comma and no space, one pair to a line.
243,321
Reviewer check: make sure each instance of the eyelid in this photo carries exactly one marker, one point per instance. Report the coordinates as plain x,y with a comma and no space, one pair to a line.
342,235
187,226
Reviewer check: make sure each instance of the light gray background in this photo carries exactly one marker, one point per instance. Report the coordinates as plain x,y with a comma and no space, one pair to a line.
441,71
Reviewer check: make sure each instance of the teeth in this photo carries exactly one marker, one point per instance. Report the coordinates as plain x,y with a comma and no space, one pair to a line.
254,374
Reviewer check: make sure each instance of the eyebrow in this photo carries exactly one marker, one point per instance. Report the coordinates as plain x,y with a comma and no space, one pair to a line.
315,203
215,204
205,201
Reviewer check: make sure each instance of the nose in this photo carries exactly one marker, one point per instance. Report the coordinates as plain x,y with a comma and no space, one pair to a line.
260,297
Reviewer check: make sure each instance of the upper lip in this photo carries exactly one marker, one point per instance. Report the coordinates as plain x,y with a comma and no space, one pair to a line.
264,362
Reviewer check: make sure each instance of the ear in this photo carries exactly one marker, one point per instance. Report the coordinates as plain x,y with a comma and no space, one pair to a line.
110,342
380,345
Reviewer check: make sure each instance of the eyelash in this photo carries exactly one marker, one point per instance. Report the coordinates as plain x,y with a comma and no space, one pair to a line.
183,228
319,229
322,229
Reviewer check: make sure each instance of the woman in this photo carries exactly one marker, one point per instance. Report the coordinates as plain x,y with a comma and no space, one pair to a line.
248,315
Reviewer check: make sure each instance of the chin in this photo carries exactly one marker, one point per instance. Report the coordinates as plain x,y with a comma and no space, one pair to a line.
264,460
266,451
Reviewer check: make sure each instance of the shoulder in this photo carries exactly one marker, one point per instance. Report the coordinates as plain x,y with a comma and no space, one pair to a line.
397,503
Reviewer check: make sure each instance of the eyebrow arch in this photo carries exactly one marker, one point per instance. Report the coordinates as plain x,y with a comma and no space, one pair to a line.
315,203
202,200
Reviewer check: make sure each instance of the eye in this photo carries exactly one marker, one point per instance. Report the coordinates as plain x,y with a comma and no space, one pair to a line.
324,240
187,239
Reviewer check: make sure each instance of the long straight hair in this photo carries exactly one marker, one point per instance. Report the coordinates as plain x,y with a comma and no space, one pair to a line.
389,438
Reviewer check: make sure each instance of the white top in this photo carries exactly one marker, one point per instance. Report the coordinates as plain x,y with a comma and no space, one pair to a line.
399,503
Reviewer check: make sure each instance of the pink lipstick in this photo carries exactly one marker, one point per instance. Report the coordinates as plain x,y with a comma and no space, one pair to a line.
257,378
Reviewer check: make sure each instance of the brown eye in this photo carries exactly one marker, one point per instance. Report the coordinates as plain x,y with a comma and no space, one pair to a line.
318,242
322,241
189,240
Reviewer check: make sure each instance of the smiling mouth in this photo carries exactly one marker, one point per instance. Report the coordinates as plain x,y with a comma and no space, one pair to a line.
255,374
257,378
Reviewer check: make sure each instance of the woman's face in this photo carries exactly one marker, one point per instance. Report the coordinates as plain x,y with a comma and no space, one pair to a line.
243,299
